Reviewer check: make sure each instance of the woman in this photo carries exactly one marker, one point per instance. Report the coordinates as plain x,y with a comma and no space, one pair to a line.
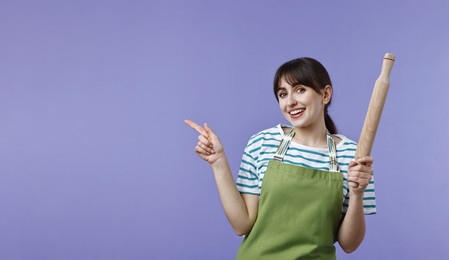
292,199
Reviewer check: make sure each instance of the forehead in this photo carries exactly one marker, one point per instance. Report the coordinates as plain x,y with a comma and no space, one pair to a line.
283,85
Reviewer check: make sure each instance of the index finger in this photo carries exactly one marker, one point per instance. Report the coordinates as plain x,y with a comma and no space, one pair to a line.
195,126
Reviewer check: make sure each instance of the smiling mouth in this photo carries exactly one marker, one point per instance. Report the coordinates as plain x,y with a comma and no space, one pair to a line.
296,112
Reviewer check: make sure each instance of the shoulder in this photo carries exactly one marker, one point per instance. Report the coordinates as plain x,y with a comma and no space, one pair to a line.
271,135
274,132
343,140
345,145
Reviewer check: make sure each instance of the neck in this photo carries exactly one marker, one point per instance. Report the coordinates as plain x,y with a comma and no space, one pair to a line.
313,136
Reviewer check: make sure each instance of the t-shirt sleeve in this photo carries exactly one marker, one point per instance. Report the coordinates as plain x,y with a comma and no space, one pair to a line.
248,177
369,198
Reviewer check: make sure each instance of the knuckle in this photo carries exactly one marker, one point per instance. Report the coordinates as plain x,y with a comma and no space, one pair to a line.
355,174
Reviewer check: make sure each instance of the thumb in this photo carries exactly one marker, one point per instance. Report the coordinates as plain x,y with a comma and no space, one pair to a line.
209,131
352,164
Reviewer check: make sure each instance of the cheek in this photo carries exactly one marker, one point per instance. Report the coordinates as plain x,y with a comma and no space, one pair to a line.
316,102
281,105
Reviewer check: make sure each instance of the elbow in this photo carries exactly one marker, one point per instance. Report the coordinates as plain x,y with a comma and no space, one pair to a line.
349,246
242,228
240,232
348,249
350,242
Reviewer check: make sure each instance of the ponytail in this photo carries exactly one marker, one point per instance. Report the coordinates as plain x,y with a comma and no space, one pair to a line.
330,125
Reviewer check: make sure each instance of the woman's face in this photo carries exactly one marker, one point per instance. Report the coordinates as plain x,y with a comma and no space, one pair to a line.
302,106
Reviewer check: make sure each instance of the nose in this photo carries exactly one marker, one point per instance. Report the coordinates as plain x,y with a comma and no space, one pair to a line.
291,101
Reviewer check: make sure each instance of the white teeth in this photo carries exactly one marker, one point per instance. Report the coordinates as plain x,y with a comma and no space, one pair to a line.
294,112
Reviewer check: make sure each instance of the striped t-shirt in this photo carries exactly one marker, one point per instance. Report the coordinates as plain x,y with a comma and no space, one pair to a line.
263,145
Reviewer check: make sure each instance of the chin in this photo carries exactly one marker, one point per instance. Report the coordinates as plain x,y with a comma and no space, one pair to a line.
295,124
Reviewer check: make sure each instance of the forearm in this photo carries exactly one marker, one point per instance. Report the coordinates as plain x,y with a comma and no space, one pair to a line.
352,228
234,206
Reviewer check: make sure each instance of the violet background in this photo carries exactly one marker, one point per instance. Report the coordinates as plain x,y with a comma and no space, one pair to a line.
96,162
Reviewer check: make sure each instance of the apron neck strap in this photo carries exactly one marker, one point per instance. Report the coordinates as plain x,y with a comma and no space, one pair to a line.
285,143
287,139
333,165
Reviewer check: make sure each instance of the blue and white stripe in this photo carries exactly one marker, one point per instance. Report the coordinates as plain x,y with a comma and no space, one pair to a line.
262,147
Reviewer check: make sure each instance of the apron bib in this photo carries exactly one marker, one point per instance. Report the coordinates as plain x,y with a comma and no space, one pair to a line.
299,210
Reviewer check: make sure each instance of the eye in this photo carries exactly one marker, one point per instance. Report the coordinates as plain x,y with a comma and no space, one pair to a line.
282,94
300,89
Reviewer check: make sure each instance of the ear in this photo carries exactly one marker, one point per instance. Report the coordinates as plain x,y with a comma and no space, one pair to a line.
327,94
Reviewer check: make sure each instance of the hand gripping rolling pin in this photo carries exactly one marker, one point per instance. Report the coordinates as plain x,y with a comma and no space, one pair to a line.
374,112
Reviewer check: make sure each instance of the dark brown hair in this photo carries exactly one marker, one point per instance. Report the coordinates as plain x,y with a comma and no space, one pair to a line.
308,72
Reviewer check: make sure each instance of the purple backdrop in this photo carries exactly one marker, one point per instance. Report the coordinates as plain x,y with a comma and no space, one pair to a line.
96,163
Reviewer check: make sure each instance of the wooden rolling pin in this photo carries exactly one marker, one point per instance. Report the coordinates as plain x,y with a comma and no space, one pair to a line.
375,108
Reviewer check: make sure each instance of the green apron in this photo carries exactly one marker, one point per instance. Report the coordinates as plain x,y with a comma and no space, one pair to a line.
299,210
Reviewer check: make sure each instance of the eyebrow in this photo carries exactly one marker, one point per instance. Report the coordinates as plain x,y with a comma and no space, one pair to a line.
281,88
293,86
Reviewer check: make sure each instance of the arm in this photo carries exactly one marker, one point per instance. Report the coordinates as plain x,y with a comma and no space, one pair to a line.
352,227
240,209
